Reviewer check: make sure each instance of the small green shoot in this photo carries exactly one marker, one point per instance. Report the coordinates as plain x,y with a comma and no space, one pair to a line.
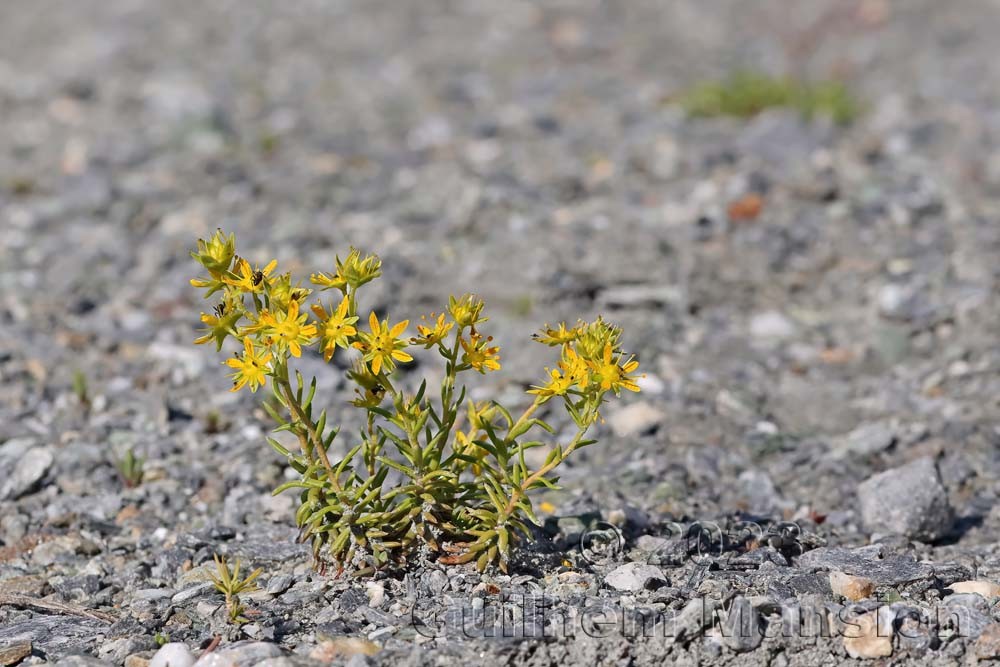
80,387
130,468
231,585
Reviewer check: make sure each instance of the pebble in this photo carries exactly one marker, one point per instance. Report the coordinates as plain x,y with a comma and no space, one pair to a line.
11,654
869,635
28,469
693,619
909,500
246,653
851,587
376,593
742,629
192,592
987,646
342,647
279,583
865,440
638,418
635,577
638,296
173,654
771,325
987,589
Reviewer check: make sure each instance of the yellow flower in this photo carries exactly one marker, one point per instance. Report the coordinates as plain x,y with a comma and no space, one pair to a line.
220,325
289,329
353,272
216,254
612,374
574,368
250,279
251,368
466,310
480,413
464,445
371,391
560,336
479,354
336,328
432,335
281,292
594,337
382,347
557,385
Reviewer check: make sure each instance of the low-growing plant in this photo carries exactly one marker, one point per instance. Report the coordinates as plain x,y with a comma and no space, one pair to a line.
130,468
745,94
430,470
229,582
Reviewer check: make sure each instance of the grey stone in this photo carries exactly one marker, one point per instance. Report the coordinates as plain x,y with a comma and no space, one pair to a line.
279,583
250,653
887,570
693,619
82,661
966,614
192,592
741,629
866,440
28,470
909,500
153,594
55,635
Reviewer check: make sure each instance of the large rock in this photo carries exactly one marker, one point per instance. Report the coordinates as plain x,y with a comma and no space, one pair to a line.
909,500
884,569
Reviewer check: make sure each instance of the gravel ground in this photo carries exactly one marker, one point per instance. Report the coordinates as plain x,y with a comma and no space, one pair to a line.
814,453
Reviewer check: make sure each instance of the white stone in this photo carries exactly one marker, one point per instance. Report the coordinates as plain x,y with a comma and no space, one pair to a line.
634,577
635,419
174,654
771,325
987,589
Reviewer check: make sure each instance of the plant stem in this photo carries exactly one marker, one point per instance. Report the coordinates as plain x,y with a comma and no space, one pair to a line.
530,410
522,490
300,416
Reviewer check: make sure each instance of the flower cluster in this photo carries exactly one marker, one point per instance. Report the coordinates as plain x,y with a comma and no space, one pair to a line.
465,486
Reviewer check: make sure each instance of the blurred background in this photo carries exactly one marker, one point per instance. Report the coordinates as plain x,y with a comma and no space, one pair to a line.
790,207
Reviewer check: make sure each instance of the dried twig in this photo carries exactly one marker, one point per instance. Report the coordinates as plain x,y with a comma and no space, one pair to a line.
26,602
212,645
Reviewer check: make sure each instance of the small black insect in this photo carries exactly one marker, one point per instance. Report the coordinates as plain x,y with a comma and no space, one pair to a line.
220,310
257,278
